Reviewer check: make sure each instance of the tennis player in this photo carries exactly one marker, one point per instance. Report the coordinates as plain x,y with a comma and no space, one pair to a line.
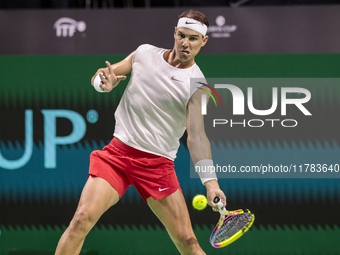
156,108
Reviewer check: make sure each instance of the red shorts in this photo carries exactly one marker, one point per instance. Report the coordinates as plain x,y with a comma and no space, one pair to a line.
122,166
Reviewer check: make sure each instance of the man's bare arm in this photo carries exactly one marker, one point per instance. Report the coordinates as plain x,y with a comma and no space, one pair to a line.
118,69
199,144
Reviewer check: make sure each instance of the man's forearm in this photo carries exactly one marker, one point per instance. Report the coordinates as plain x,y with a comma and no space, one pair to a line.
199,148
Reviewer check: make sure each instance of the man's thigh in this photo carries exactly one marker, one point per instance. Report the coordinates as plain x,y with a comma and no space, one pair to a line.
172,211
96,198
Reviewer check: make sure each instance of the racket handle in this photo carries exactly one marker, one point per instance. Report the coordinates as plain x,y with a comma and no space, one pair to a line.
219,203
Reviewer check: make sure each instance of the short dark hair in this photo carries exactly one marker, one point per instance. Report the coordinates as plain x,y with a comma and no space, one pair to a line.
196,15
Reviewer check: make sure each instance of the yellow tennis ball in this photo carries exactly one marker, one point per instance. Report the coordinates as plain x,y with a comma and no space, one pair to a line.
199,202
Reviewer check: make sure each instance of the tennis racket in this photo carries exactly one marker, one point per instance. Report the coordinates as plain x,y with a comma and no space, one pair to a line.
231,226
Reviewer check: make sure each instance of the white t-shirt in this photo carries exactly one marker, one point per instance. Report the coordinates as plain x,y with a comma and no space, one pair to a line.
151,115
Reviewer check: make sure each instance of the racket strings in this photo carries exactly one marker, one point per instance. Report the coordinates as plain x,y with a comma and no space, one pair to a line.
232,226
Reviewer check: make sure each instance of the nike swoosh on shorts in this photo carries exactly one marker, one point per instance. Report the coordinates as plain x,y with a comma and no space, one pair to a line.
163,189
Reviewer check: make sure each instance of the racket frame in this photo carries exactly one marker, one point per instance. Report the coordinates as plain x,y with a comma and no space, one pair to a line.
226,216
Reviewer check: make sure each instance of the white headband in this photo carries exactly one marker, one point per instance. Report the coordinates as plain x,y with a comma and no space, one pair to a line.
193,25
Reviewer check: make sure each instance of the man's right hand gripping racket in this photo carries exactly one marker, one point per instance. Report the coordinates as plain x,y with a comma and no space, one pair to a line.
231,226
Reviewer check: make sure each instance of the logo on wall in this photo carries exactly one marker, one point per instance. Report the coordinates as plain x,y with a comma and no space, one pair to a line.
66,27
221,30
51,139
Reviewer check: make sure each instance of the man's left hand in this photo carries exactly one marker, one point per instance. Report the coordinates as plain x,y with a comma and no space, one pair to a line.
213,190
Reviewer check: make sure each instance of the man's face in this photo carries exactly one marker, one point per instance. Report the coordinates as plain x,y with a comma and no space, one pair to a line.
188,43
